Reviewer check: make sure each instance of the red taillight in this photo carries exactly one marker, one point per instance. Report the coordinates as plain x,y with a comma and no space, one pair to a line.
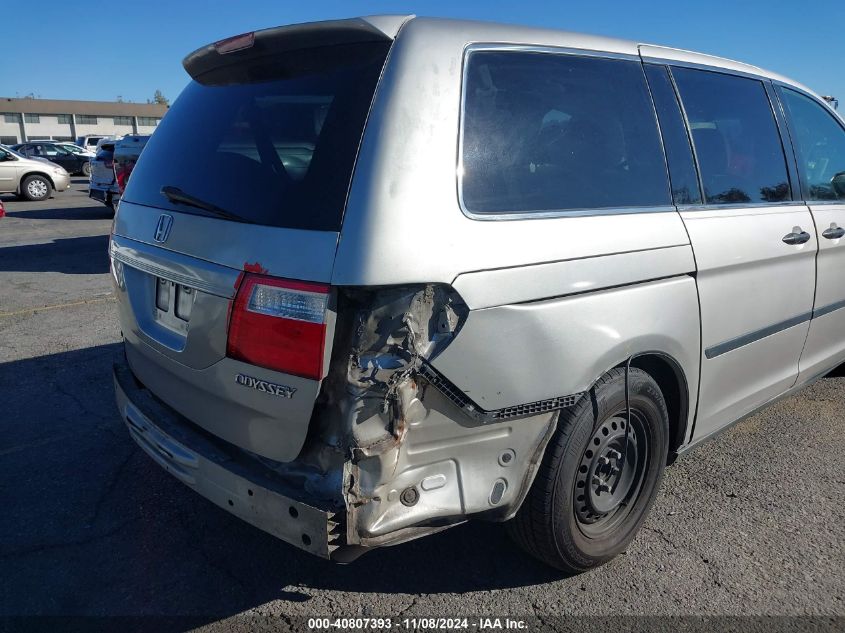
2,209
279,324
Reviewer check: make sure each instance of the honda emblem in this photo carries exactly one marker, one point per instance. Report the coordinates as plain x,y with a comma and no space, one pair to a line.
163,228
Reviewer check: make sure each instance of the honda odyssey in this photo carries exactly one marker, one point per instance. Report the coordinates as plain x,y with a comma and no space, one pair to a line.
377,277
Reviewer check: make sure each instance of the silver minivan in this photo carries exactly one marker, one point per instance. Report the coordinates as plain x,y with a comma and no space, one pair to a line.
380,276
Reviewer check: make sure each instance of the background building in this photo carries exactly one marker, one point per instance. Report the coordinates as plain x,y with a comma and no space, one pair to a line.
39,119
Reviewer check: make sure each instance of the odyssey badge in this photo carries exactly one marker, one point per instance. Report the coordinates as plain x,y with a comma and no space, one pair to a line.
272,388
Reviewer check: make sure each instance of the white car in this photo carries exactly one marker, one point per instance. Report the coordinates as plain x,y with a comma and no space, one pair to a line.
90,142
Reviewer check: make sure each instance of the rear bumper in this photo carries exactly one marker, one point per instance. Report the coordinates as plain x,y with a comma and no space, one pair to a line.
102,195
235,484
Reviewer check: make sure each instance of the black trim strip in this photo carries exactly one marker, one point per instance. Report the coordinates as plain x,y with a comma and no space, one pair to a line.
469,407
751,337
828,309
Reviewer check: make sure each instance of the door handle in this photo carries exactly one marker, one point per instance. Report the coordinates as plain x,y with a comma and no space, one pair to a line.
834,233
796,237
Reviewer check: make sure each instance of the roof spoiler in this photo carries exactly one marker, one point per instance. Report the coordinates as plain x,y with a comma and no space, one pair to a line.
272,42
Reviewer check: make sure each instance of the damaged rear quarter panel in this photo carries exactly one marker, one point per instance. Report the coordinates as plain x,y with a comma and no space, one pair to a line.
403,435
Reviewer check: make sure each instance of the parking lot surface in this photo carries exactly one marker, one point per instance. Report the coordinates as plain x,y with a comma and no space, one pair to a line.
750,524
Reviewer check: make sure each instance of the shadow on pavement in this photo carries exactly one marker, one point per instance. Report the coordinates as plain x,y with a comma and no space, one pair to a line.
73,255
99,529
94,211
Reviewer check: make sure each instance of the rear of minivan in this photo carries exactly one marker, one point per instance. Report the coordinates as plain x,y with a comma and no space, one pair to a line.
101,182
222,255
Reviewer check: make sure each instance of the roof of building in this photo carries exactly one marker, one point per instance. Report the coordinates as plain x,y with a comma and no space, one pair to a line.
64,106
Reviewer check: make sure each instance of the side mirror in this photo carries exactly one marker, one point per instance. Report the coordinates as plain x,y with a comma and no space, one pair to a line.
838,184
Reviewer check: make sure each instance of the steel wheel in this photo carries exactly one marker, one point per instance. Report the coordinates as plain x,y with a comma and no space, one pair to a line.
596,485
607,482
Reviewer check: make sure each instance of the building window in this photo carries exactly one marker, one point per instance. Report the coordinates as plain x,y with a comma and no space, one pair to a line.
8,140
123,120
148,120
64,118
12,118
86,119
32,118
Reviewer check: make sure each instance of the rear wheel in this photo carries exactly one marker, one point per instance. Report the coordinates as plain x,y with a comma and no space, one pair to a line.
36,187
599,477
86,169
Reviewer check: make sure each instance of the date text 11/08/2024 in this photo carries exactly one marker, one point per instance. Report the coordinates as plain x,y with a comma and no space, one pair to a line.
414,624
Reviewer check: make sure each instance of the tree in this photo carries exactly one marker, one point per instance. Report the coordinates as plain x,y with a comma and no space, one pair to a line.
160,98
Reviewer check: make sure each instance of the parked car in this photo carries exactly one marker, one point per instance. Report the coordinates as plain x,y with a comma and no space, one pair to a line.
111,167
73,162
90,141
30,178
101,184
373,337
127,151
76,149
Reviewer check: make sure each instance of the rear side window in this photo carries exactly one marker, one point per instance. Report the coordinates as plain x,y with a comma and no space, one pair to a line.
549,132
272,141
685,189
820,142
735,137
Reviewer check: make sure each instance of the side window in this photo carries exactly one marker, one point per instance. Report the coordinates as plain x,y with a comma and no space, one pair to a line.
549,132
685,188
735,136
820,143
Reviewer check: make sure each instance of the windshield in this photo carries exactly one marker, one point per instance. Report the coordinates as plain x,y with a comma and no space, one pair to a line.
73,148
275,144
12,151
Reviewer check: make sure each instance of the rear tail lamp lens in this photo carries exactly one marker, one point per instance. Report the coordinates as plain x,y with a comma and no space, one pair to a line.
279,324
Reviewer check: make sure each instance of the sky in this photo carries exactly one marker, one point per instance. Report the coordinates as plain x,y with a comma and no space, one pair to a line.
102,49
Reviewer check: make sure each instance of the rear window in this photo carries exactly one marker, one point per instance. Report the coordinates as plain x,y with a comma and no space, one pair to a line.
272,141
548,132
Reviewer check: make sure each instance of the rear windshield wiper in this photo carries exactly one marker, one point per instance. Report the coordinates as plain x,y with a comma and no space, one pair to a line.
174,194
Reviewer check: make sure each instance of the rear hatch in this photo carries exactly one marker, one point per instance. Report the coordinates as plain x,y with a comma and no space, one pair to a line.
224,242
102,167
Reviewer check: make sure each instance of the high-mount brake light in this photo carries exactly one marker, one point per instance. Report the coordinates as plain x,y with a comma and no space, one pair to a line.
279,324
236,43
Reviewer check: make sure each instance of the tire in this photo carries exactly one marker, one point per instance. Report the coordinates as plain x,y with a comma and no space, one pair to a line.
564,521
36,187
86,169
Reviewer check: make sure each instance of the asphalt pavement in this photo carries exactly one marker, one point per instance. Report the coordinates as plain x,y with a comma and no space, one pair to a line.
749,524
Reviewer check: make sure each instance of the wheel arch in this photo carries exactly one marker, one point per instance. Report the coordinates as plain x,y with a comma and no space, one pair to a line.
672,380
35,173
